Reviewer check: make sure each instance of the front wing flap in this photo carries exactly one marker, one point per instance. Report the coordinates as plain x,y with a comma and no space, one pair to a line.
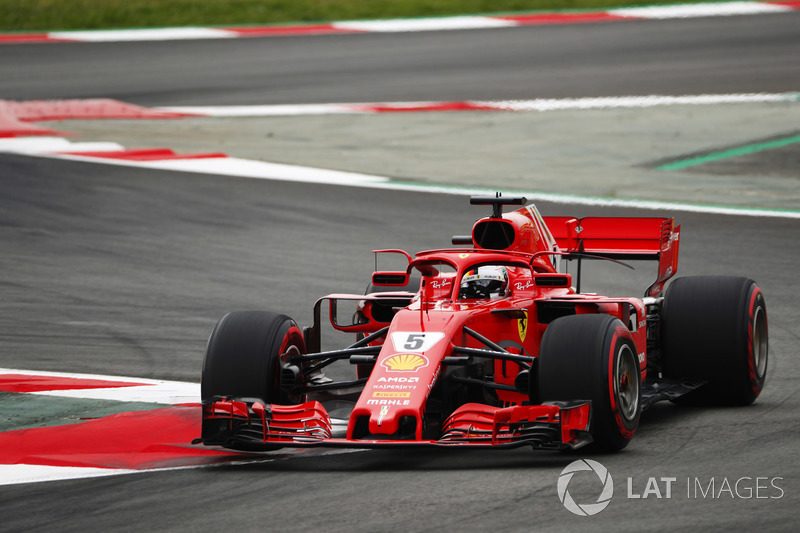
252,425
556,425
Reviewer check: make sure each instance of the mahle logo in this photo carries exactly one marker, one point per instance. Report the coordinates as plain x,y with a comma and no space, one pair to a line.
585,509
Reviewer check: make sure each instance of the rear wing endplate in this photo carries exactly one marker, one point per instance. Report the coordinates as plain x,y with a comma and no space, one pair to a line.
622,238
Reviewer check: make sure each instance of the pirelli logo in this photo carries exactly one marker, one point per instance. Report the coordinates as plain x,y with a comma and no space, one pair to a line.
391,394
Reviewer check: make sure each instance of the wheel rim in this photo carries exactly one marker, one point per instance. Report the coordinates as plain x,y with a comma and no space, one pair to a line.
760,342
626,386
291,346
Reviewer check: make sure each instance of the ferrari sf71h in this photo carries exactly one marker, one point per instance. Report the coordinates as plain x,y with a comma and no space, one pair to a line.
491,344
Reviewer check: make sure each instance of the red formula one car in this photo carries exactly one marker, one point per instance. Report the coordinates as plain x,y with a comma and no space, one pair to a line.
491,344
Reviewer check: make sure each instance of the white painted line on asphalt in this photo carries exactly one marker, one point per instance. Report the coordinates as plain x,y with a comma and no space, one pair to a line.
30,473
272,171
233,166
23,473
592,201
264,110
156,34
54,144
560,104
146,390
539,104
679,11
166,392
245,168
54,147
424,24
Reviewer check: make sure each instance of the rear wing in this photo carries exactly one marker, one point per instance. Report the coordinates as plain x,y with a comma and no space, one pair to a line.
622,238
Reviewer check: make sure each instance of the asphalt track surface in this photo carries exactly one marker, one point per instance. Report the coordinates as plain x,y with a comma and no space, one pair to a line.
122,271
694,56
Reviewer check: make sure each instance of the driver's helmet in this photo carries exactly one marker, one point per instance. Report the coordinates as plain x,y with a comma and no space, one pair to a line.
484,282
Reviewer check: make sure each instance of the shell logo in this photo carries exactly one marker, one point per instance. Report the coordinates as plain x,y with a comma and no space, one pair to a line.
405,362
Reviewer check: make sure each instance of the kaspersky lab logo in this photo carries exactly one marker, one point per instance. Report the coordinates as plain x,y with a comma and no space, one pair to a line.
585,509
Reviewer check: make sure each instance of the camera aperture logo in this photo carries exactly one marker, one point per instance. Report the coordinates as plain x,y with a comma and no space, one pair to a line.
585,509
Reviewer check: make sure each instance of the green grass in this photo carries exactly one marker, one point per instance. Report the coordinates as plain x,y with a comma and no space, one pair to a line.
44,15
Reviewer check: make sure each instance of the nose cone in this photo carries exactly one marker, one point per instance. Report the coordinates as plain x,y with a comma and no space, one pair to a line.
398,388
393,401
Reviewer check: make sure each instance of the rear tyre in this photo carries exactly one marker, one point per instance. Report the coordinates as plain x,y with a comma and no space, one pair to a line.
245,354
714,328
593,357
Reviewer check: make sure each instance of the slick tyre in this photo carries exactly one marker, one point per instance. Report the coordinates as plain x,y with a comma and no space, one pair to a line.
245,354
593,357
714,328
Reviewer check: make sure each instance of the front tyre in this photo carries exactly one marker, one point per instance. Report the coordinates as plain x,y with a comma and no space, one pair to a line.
245,355
715,328
593,357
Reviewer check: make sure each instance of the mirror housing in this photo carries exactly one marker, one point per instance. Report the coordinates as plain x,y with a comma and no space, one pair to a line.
390,279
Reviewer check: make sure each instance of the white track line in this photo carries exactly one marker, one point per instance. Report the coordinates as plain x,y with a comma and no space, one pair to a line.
631,102
424,24
147,390
43,144
272,171
539,104
680,11
155,34
27,473
24,473
537,196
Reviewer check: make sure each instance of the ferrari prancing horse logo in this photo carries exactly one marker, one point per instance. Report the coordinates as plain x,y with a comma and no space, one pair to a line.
522,326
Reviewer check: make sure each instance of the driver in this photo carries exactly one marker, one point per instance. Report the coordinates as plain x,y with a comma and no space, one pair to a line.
489,281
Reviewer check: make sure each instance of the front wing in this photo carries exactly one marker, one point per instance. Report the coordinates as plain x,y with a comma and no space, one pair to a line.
249,424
